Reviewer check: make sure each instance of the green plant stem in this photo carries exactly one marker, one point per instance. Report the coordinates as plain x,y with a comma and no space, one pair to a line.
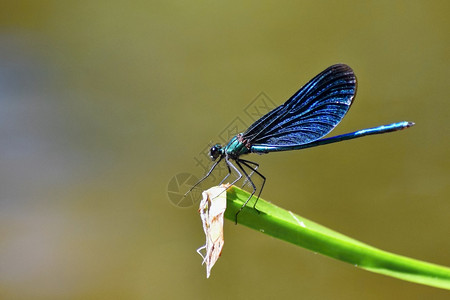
287,226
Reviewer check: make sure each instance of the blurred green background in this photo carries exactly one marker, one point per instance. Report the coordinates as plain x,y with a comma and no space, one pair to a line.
102,103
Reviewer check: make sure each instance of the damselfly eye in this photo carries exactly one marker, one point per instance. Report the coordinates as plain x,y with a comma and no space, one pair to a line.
215,152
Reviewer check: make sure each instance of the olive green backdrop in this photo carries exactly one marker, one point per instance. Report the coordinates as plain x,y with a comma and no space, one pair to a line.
102,103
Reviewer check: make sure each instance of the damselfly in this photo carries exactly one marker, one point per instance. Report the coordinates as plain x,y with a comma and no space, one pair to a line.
299,123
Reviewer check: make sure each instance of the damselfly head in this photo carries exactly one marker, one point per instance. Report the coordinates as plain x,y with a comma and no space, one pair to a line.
215,151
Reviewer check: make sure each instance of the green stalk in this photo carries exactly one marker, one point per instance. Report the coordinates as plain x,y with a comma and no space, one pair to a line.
287,226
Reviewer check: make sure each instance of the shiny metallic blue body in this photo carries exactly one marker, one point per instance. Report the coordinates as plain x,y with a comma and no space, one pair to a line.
235,148
334,139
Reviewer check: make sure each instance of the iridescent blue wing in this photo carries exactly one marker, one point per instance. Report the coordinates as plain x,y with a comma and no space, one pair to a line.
309,114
